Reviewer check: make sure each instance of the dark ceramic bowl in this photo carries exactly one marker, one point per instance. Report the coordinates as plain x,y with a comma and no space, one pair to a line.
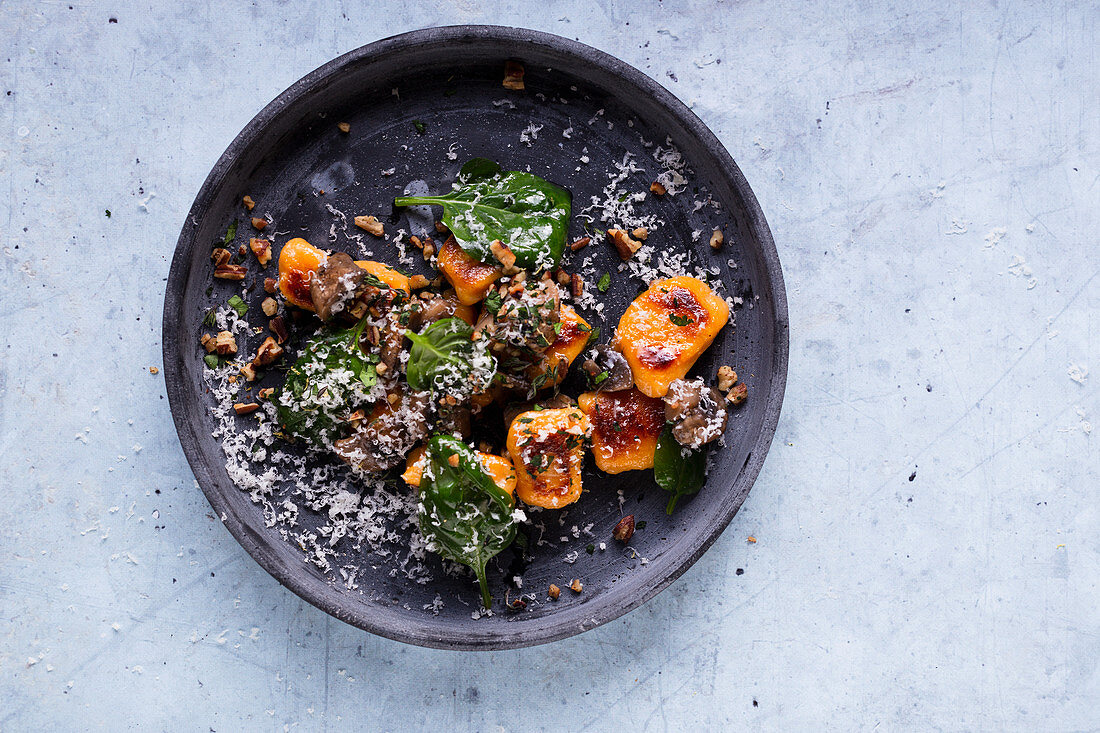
446,82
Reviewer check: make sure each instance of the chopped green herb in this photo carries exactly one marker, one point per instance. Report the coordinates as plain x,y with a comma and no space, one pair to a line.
526,420
208,319
640,525
590,548
557,328
238,305
679,320
493,302
601,377
230,234
212,360
107,212
450,92
421,128
593,336
604,283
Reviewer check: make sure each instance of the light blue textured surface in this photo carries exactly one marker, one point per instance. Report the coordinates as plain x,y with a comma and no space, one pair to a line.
928,523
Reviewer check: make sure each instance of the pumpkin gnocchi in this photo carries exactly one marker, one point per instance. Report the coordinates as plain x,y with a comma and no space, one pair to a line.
666,329
625,428
547,449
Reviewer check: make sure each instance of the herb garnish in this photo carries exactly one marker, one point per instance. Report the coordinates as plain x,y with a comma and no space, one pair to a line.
523,211
676,472
464,515
238,305
493,302
604,283
421,128
230,234
679,320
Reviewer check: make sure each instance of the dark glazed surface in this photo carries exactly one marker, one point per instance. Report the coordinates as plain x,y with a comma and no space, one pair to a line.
448,79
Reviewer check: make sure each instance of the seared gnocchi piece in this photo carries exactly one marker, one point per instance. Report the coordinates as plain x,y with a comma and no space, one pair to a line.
497,467
665,330
568,345
547,449
470,279
625,428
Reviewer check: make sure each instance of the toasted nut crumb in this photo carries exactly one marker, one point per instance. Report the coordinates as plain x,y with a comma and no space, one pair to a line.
562,276
221,256
416,241
343,126
640,233
513,76
440,227
231,272
554,591
624,245
437,281
393,398
266,392
249,372
503,253
268,352
580,243
278,327
429,250
370,225
245,408
249,203
576,586
262,249
751,539
419,282
154,370
738,394
658,188
484,447
726,377
208,343
259,223
380,368
624,530
225,344
452,460
576,284
716,239
270,306
242,250
270,285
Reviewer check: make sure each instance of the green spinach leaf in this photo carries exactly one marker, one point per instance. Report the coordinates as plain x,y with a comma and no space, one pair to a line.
319,391
523,211
464,515
445,358
676,472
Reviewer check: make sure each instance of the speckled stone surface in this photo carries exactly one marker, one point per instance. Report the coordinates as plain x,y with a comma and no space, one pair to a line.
927,520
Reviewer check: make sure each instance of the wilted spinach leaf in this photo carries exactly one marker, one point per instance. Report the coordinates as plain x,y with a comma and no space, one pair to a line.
523,211
314,398
676,472
444,357
464,515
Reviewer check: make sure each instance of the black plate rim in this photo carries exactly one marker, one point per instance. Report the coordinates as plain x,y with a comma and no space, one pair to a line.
557,626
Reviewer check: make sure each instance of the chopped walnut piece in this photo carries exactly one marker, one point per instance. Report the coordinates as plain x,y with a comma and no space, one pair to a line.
624,245
504,255
738,395
429,248
245,408
208,342
266,393
370,225
225,344
576,586
343,126
268,352
563,277
221,256
513,76
576,284
415,240
258,223
580,243
380,369
441,227
270,285
658,188
640,233
154,370
624,530
249,372
278,327
262,249
726,377
554,591
751,539
249,203
270,307
242,250
419,282
716,239
231,272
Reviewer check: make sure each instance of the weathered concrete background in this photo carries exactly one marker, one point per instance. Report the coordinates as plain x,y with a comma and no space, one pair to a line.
928,526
